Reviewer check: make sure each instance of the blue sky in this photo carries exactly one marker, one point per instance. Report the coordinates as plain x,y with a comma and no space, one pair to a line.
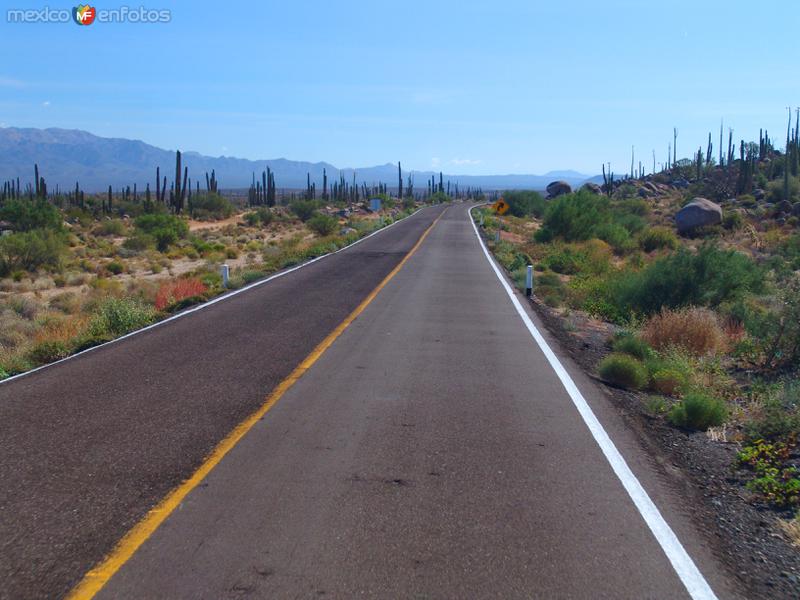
466,87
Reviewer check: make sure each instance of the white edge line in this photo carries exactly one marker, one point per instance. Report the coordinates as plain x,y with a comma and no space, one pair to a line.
684,566
220,298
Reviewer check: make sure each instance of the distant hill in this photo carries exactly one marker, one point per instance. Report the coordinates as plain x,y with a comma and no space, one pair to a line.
65,156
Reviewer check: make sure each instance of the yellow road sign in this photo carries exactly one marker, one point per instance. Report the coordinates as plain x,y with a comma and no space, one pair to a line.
501,207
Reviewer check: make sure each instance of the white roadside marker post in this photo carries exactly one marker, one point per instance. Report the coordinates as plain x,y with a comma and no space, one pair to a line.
529,282
225,271
497,236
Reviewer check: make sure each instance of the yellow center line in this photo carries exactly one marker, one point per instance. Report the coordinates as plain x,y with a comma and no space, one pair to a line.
96,578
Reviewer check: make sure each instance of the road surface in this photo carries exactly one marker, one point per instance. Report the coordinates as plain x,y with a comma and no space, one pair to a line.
430,452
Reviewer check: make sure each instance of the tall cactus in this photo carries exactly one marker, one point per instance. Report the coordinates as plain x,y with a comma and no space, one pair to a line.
399,181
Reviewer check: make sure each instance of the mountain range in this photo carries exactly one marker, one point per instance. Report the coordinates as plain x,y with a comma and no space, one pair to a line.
67,156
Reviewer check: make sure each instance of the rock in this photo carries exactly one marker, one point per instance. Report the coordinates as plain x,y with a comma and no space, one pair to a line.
643,192
785,206
652,187
796,210
680,183
347,231
759,194
698,213
592,187
558,188
344,213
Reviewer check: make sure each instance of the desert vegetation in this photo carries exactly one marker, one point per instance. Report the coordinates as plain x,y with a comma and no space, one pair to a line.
694,270
79,269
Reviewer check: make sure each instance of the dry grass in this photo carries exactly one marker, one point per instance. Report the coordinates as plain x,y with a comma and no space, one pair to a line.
792,530
695,330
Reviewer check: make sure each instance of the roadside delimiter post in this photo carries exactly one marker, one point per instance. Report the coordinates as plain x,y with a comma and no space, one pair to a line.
224,270
529,281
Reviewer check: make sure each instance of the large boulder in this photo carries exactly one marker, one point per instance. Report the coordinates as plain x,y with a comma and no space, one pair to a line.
698,213
796,210
592,187
558,188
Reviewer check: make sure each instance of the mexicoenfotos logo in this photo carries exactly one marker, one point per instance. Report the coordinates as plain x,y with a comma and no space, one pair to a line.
83,14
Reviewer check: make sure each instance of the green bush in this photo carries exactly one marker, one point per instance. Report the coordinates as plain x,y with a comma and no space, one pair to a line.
565,259
112,227
657,238
210,206
118,316
304,209
698,411
30,250
574,217
623,370
524,203
48,351
706,278
780,415
163,228
616,236
260,216
733,220
322,224
139,242
27,215
115,267
634,346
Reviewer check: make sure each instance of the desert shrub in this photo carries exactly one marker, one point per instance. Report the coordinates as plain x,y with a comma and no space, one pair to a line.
633,345
696,330
775,190
27,215
616,236
657,238
66,302
322,224
139,242
698,411
111,227
668,381
775,479
706,278
624,370
118,316
260,216
172,292
775,329
565,259
508,256
779,419
210,206
547,286
30,250
115,267
3,374
524,203
48,351
163,228
304,209
574,217
733,220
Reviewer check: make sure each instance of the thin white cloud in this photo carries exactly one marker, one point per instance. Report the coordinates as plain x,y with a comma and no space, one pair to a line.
436,161
465,161
10,82
46,103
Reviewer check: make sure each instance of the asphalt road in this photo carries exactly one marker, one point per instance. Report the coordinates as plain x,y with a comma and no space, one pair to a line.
88,446
431,452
